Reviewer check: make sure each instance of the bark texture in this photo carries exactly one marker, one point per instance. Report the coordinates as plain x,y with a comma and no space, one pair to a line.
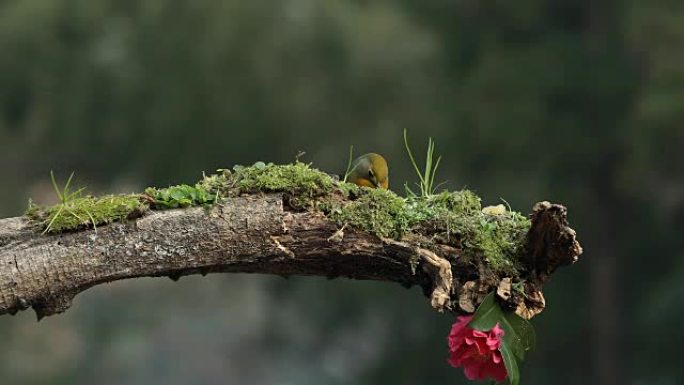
249,234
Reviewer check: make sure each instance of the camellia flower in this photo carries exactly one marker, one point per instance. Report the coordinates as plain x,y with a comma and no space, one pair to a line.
477,351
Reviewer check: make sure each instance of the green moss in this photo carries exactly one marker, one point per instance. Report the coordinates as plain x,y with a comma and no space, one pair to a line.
385,213
348,189
379,211
297,178
307,187
82,212
216,183
500,239
459,219
464,202
442,209
455,217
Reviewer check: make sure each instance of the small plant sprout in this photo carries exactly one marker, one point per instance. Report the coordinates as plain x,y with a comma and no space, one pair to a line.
65,197
299,155
349,164
427,178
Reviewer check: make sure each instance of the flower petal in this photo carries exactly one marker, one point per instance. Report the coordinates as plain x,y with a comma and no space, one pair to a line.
493,343
497,331
494,337
458,332
473,370
496,357
497,371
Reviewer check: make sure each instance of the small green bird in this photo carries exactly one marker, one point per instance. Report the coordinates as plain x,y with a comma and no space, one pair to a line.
370,170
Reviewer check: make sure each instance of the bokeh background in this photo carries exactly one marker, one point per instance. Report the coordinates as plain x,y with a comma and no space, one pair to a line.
573,101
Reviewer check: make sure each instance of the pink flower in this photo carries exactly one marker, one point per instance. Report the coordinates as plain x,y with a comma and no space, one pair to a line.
478,352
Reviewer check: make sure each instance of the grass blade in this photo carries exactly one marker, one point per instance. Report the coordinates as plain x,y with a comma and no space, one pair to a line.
54,185
349,164
432,178
52,221
410,154
65,191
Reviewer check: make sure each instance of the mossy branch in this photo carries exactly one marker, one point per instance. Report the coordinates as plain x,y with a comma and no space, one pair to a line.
285,220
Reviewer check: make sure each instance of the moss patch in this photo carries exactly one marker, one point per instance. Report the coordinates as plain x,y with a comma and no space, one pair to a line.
378,211
306,186
297,178
458,218
499,239
454,218
83,212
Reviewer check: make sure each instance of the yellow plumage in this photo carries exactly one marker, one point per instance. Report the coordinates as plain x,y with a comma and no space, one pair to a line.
370,170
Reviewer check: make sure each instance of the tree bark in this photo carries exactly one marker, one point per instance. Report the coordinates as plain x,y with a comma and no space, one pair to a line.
249,234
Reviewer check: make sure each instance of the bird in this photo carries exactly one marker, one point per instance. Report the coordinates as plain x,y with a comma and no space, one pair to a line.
369,170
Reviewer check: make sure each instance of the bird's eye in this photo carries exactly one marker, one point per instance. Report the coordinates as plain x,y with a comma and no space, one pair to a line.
371,174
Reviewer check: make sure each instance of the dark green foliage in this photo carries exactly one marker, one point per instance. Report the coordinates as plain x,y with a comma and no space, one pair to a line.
179,196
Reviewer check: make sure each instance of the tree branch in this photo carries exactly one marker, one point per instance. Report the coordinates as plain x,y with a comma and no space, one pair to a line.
249,234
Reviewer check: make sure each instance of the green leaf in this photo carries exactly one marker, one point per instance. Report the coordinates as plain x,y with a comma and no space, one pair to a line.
520,334
260,165
177,194
487,315
511,364
193,194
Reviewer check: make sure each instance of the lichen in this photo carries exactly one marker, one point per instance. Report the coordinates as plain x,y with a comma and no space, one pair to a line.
84,212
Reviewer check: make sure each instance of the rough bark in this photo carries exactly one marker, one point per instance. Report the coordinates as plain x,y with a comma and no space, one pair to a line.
249,234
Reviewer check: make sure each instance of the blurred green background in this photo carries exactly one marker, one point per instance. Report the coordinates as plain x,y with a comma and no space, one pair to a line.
573,101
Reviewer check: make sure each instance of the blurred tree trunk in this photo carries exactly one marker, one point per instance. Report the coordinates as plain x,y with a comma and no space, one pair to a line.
604,289
603,33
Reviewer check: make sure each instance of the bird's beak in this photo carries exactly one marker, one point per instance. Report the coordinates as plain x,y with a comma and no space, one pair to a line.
373,178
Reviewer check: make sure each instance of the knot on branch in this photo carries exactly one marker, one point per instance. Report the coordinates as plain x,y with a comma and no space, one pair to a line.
551,243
